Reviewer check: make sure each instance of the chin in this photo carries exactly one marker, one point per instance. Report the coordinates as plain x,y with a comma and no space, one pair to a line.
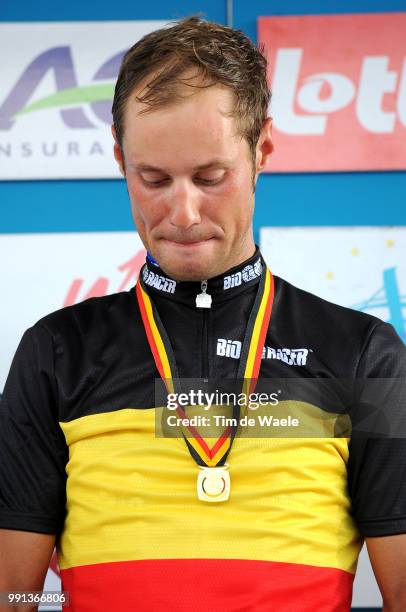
187,271
187,264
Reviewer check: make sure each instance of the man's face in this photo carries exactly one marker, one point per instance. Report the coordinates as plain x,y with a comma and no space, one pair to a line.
189,178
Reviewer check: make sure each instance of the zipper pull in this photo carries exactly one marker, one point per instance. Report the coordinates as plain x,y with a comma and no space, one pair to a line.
203,299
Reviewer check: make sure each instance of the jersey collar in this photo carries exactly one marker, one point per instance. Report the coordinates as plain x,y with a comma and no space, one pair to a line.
222,287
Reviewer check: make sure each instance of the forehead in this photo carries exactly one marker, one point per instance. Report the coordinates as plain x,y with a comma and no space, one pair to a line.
198,124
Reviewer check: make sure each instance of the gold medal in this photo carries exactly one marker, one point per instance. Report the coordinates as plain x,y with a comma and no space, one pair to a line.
213,484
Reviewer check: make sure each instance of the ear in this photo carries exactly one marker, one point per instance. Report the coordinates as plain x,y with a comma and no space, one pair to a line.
118,154
264,147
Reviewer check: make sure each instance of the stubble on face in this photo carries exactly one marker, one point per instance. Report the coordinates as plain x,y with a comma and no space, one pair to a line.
189,179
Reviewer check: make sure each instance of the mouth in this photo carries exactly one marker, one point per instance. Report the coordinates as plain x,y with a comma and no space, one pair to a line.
187,244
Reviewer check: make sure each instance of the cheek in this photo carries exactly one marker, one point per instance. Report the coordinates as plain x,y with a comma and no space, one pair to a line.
146,207
234,203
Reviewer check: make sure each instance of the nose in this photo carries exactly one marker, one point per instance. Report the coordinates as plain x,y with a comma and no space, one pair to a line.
184,206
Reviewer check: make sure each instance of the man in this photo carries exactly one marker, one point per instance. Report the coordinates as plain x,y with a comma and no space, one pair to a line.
78,416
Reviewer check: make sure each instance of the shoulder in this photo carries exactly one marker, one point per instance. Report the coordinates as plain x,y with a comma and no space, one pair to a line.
335,333
308,307
91,314
81,339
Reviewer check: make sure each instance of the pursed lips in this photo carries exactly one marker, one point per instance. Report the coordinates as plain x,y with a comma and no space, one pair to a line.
187,243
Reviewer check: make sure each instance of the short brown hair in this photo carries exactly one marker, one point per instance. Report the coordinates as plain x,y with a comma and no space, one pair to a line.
220,54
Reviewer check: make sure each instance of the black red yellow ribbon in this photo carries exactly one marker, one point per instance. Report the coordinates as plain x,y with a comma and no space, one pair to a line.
250,361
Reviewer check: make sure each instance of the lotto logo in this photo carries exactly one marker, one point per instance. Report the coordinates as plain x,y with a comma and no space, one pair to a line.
339,91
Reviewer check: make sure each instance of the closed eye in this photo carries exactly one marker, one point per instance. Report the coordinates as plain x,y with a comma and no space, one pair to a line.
211,179
157,183
200,180
207,181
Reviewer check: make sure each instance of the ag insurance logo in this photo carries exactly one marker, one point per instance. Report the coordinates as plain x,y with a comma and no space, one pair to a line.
56,93
339,91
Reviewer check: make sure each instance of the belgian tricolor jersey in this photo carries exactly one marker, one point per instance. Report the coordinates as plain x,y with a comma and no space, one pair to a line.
80,458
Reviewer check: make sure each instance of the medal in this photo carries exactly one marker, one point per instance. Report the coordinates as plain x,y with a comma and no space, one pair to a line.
213,484
213,481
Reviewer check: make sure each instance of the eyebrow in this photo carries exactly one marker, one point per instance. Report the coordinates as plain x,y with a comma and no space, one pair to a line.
214,163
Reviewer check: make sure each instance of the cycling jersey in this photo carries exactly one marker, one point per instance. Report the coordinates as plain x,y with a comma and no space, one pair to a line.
79,457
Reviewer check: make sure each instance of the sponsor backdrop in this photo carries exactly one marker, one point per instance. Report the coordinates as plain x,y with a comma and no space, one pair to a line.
360,267
342,109
339,101
56,116
339,91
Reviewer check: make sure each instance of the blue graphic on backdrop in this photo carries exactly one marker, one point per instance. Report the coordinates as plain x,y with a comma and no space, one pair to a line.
59,62
388,297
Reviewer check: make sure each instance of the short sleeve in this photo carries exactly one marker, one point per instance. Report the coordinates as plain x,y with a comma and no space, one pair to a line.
377,465
33,451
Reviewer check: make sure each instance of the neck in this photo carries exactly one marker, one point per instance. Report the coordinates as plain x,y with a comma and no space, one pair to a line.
244,255
240,277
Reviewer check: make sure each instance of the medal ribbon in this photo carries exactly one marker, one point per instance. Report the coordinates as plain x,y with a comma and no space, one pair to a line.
250,362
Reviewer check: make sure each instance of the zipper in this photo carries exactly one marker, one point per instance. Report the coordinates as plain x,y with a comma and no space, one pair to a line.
205,344
203,301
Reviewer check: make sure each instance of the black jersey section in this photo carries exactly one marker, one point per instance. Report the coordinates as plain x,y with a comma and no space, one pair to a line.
103,361
377,467
33,453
